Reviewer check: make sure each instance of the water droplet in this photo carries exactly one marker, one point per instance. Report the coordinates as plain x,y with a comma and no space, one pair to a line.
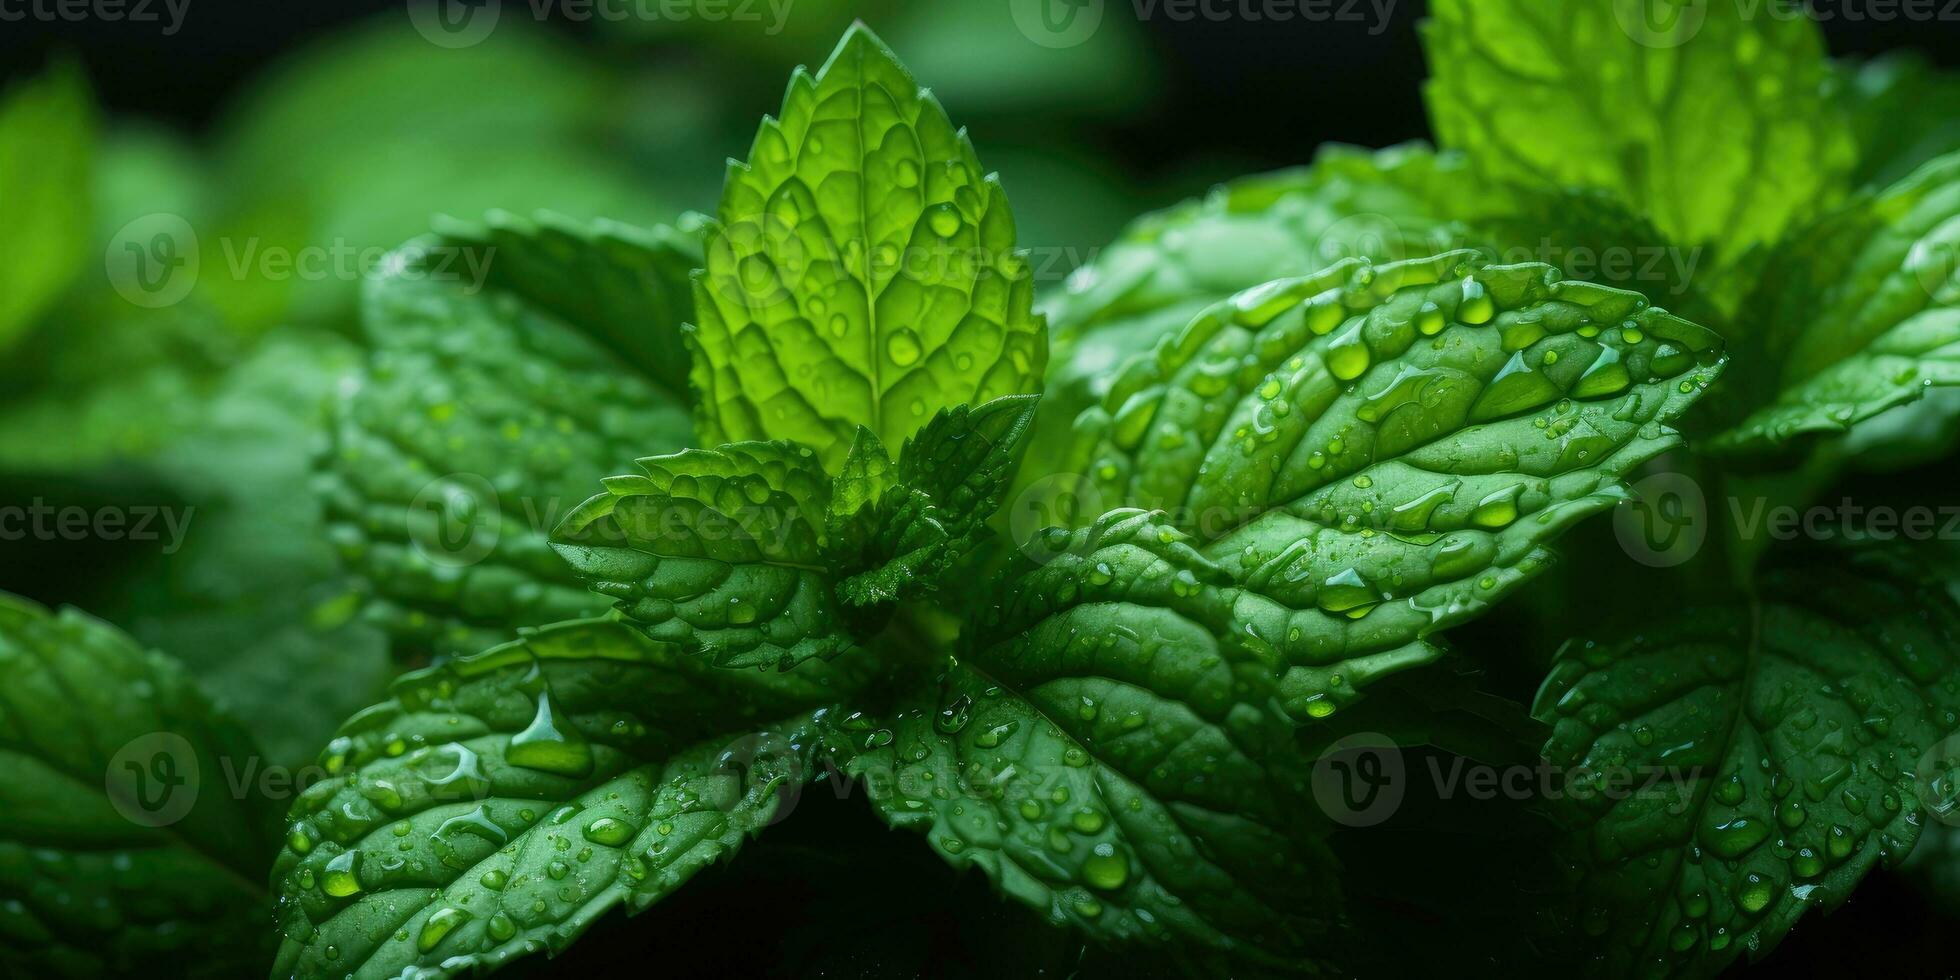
342,878
440,924
501,928
1754,893
954,715
1736,836
1348,593
903,348
550,744
945,220
1348,355
610,831
1106,868
1476,306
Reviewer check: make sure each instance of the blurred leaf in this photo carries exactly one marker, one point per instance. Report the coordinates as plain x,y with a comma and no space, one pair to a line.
125,847
353,146
47,135
1714,124
1904,111
102,378
143,170
253,600
105,381
776,35
983,60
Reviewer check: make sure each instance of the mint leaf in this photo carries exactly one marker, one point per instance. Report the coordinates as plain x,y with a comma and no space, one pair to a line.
720,551
1110,755
1865,311
1169,266
47,145
863,271
123,847
1783,749
1380,452
624,286
1712,120
497,805
951,477
487,413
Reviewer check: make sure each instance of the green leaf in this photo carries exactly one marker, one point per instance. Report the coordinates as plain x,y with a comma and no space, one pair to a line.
1380,452
624,286
124,846
47,145
1111,756
720,551
1170,265
487,413
951,478
1865,310
497,805
863,271
1714,122
1777,746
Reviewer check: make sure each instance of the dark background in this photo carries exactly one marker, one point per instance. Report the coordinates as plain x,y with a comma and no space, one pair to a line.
1264,93
831,892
